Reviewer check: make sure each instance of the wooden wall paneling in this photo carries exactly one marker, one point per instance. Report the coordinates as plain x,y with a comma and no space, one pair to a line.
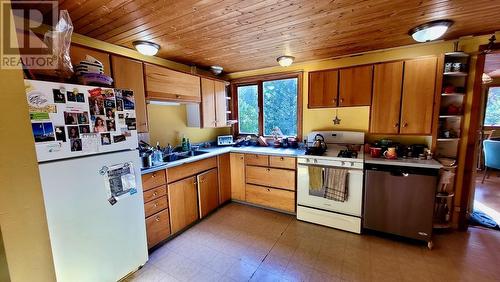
418,96
323,89
386,101
355,86
207,32
129,74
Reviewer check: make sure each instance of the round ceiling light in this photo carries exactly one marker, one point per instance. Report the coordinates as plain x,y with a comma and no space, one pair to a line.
146,48
216,69
285,61
430,31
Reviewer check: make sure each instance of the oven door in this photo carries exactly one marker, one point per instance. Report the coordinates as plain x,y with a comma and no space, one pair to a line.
315,199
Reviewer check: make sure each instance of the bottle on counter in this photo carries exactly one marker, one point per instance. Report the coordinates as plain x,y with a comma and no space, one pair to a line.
184,144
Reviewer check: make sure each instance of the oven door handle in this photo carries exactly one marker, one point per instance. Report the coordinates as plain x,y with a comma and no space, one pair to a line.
329,166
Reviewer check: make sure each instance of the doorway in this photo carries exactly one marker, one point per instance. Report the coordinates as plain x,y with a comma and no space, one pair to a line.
486,189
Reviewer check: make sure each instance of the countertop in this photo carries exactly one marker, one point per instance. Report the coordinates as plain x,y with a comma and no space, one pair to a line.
404,162
214,151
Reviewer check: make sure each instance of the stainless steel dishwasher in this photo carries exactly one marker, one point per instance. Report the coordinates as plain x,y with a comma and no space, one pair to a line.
400,200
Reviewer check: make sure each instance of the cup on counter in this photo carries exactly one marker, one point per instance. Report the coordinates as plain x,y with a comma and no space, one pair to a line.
375,152
391,153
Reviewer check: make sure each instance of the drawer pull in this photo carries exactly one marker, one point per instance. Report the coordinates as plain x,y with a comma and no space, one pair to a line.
268,169
155,194
269,190
282,158
156,204
157,218
154,174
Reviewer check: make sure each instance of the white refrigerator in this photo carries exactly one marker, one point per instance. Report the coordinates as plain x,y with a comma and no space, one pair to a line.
86,140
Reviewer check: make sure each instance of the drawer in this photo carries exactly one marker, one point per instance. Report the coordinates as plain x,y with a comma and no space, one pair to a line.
189,169
282,162
155,193
269,197
155,206
157,228
153,179
272,177
254,159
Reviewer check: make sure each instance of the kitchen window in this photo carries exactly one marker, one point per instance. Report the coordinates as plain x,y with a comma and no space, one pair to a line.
268,102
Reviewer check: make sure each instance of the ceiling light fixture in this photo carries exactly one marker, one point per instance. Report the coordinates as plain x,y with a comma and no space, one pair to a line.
216,69
285,61
146,48
430,31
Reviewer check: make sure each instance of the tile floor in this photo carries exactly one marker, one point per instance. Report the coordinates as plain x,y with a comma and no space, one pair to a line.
242,243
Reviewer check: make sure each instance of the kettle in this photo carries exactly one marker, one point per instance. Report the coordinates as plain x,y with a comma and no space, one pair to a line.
319,142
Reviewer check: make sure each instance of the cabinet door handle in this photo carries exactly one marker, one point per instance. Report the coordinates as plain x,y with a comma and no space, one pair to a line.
177,96
157,218
268,169
269,190
341,100
194,183
282,158
396,124
405,124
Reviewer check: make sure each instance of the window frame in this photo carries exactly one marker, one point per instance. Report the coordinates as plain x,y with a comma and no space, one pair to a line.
489,127
259,80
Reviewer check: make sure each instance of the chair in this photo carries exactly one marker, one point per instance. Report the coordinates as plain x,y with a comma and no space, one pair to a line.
491,150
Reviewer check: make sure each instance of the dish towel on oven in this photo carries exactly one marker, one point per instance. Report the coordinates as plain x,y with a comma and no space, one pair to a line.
315,178
335,184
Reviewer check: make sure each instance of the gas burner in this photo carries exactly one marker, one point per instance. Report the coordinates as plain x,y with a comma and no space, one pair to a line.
347,154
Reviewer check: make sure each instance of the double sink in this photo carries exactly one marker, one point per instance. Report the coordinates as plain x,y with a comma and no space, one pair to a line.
184,155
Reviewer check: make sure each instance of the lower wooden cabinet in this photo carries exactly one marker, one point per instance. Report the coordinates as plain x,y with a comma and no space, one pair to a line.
238,176
183,199
224,165
208,191
273,177
155,206
157,228
270,197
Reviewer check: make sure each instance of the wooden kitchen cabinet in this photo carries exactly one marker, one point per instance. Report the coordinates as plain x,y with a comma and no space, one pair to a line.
158,228
169,85
323,89
224,166
256,159
270,197
237,161
78,53
208,192
211,112
155,206
418,96
183,201
272,177
355,86
282,162
386,101
153,179
129,74
189,169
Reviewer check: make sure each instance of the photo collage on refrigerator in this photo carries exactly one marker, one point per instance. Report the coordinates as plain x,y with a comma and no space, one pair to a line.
84,120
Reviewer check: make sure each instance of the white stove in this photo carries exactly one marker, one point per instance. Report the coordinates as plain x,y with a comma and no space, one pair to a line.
312,204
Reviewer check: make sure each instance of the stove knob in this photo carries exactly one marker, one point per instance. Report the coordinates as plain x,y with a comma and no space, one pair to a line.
342,163
315,161
352,163
308,160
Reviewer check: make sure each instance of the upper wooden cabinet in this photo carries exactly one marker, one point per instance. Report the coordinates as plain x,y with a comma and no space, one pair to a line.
355,86
78,53
169,85
323,89
386,101
403,97
128,74
212,110
418,96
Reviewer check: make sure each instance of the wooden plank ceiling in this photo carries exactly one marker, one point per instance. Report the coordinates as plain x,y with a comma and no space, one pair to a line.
250,34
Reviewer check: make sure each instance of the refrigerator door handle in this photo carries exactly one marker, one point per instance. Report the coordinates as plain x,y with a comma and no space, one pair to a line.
103,170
